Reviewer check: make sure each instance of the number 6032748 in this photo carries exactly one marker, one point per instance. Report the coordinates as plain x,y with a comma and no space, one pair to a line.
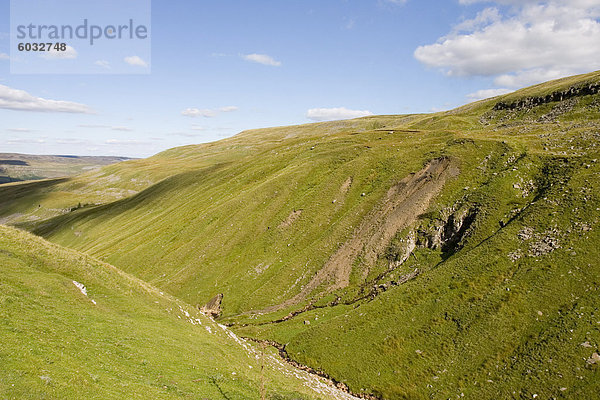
42,47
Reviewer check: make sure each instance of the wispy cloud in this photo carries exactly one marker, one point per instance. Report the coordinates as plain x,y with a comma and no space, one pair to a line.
19,130
393,2
349,23
207,112
4,56
125,142
186,134
330,114
20,100
103,63
53,54
25,141
195,112
487,93
136,61
263,59
71,141
93,126
228,109
113,128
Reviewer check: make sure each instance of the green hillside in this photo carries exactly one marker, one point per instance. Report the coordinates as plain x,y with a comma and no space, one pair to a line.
121,339
416,256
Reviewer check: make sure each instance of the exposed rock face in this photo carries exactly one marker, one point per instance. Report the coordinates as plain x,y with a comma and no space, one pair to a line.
213,307
401,254
540,243
531,102
447,233
558,110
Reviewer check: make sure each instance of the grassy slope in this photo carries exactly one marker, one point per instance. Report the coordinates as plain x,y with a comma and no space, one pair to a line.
214,225
476,323
231,216
134,343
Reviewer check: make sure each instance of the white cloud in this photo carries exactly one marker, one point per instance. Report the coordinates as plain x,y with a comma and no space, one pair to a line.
135,61
524,78
4,56
93,126
330,114
121,128
103,64
53,54
114,128
483,18
207,112
25,141
487,93
534,42
19,130
125,142
195,112
262,59
523,2
185,134
71,141
20,100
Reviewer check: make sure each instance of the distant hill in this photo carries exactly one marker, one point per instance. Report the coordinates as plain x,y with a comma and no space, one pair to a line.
442,255
22,167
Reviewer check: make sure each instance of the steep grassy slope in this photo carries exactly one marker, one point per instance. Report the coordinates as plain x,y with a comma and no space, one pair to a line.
227,221
122,339
513,313
422,256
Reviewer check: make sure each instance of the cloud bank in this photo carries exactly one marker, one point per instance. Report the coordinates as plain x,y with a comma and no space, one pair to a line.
526,43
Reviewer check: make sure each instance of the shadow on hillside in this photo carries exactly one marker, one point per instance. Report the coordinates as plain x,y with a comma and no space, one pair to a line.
10,194
164,189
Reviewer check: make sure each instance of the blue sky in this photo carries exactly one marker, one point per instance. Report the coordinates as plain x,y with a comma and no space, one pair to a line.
220,67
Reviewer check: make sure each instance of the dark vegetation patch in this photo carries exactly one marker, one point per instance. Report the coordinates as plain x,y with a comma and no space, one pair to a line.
8,179
13,162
